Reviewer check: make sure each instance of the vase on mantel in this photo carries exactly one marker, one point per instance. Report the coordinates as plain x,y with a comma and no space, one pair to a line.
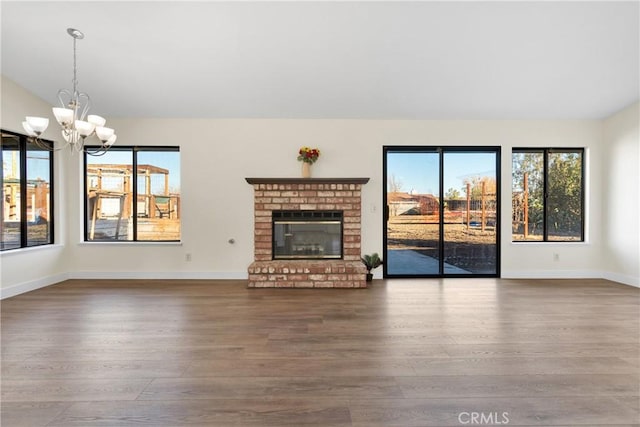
306,170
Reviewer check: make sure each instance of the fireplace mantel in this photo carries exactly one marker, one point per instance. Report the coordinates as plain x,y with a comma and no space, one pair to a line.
307,180
307,194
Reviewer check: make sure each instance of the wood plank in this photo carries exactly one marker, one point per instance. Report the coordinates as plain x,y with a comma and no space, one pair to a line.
70,390
207,413
94,369
30,414
522,365
295,367
275,387
530,411
458,386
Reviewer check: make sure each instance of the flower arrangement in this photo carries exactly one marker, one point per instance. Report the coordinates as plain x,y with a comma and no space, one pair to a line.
308,155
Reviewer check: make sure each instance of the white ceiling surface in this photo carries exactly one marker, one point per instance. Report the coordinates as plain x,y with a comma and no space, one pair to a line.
366,60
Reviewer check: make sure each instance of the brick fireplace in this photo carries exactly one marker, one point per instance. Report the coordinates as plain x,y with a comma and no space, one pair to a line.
306,195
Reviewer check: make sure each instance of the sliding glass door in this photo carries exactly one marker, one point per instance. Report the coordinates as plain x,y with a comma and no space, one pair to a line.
442,213
413,215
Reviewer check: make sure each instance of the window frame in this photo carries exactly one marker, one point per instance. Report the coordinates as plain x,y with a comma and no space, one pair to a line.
546,151
134,149
23,149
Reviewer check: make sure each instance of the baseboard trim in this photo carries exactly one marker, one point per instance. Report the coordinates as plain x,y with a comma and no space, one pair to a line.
621,278
21,288
572,274
551,274
159,275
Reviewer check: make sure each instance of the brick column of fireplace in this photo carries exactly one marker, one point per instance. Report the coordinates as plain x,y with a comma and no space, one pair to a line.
307,194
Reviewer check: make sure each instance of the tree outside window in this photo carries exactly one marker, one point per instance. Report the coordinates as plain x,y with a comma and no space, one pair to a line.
548,194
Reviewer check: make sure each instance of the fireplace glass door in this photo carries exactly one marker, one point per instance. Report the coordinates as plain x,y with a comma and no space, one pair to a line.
307,235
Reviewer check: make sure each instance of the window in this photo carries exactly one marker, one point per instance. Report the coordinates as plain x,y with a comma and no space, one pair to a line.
548,194
27,193
133,194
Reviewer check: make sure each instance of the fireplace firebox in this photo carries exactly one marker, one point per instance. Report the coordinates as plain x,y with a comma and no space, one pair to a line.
307,234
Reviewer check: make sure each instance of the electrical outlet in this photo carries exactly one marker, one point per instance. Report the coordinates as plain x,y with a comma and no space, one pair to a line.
187,257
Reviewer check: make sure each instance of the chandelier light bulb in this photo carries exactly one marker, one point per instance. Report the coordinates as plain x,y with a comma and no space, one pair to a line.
96,120
111,140
64,116
84,128
28,129
104,134
38,124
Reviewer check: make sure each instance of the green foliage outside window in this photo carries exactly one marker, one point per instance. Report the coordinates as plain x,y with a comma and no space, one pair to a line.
558,174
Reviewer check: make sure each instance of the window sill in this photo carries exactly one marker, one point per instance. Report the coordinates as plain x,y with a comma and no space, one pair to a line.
536,243
23,251
129,243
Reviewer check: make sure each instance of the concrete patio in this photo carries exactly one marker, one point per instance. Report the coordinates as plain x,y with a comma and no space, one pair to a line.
407,261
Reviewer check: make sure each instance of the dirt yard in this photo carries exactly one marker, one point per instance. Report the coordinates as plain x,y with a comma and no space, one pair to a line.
471,249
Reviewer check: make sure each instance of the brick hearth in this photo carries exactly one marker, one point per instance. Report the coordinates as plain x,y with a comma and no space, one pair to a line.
343,194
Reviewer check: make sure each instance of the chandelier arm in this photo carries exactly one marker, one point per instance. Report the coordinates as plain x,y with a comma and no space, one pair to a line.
76,143
66,143
97,153
40,144
62,92
71,136
85,106
78,147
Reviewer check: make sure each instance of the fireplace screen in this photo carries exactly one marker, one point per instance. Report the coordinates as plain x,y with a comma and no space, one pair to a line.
307,235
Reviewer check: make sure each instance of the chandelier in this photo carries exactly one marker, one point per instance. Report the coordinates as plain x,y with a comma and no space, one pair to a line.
72,116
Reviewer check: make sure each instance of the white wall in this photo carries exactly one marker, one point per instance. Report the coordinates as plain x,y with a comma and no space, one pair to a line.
621,232
217,203
25,269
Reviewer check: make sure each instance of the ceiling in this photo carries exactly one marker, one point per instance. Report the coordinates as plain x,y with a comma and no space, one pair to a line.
352,60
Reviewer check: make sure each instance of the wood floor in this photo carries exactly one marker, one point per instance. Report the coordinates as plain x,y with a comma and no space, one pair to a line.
402,353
